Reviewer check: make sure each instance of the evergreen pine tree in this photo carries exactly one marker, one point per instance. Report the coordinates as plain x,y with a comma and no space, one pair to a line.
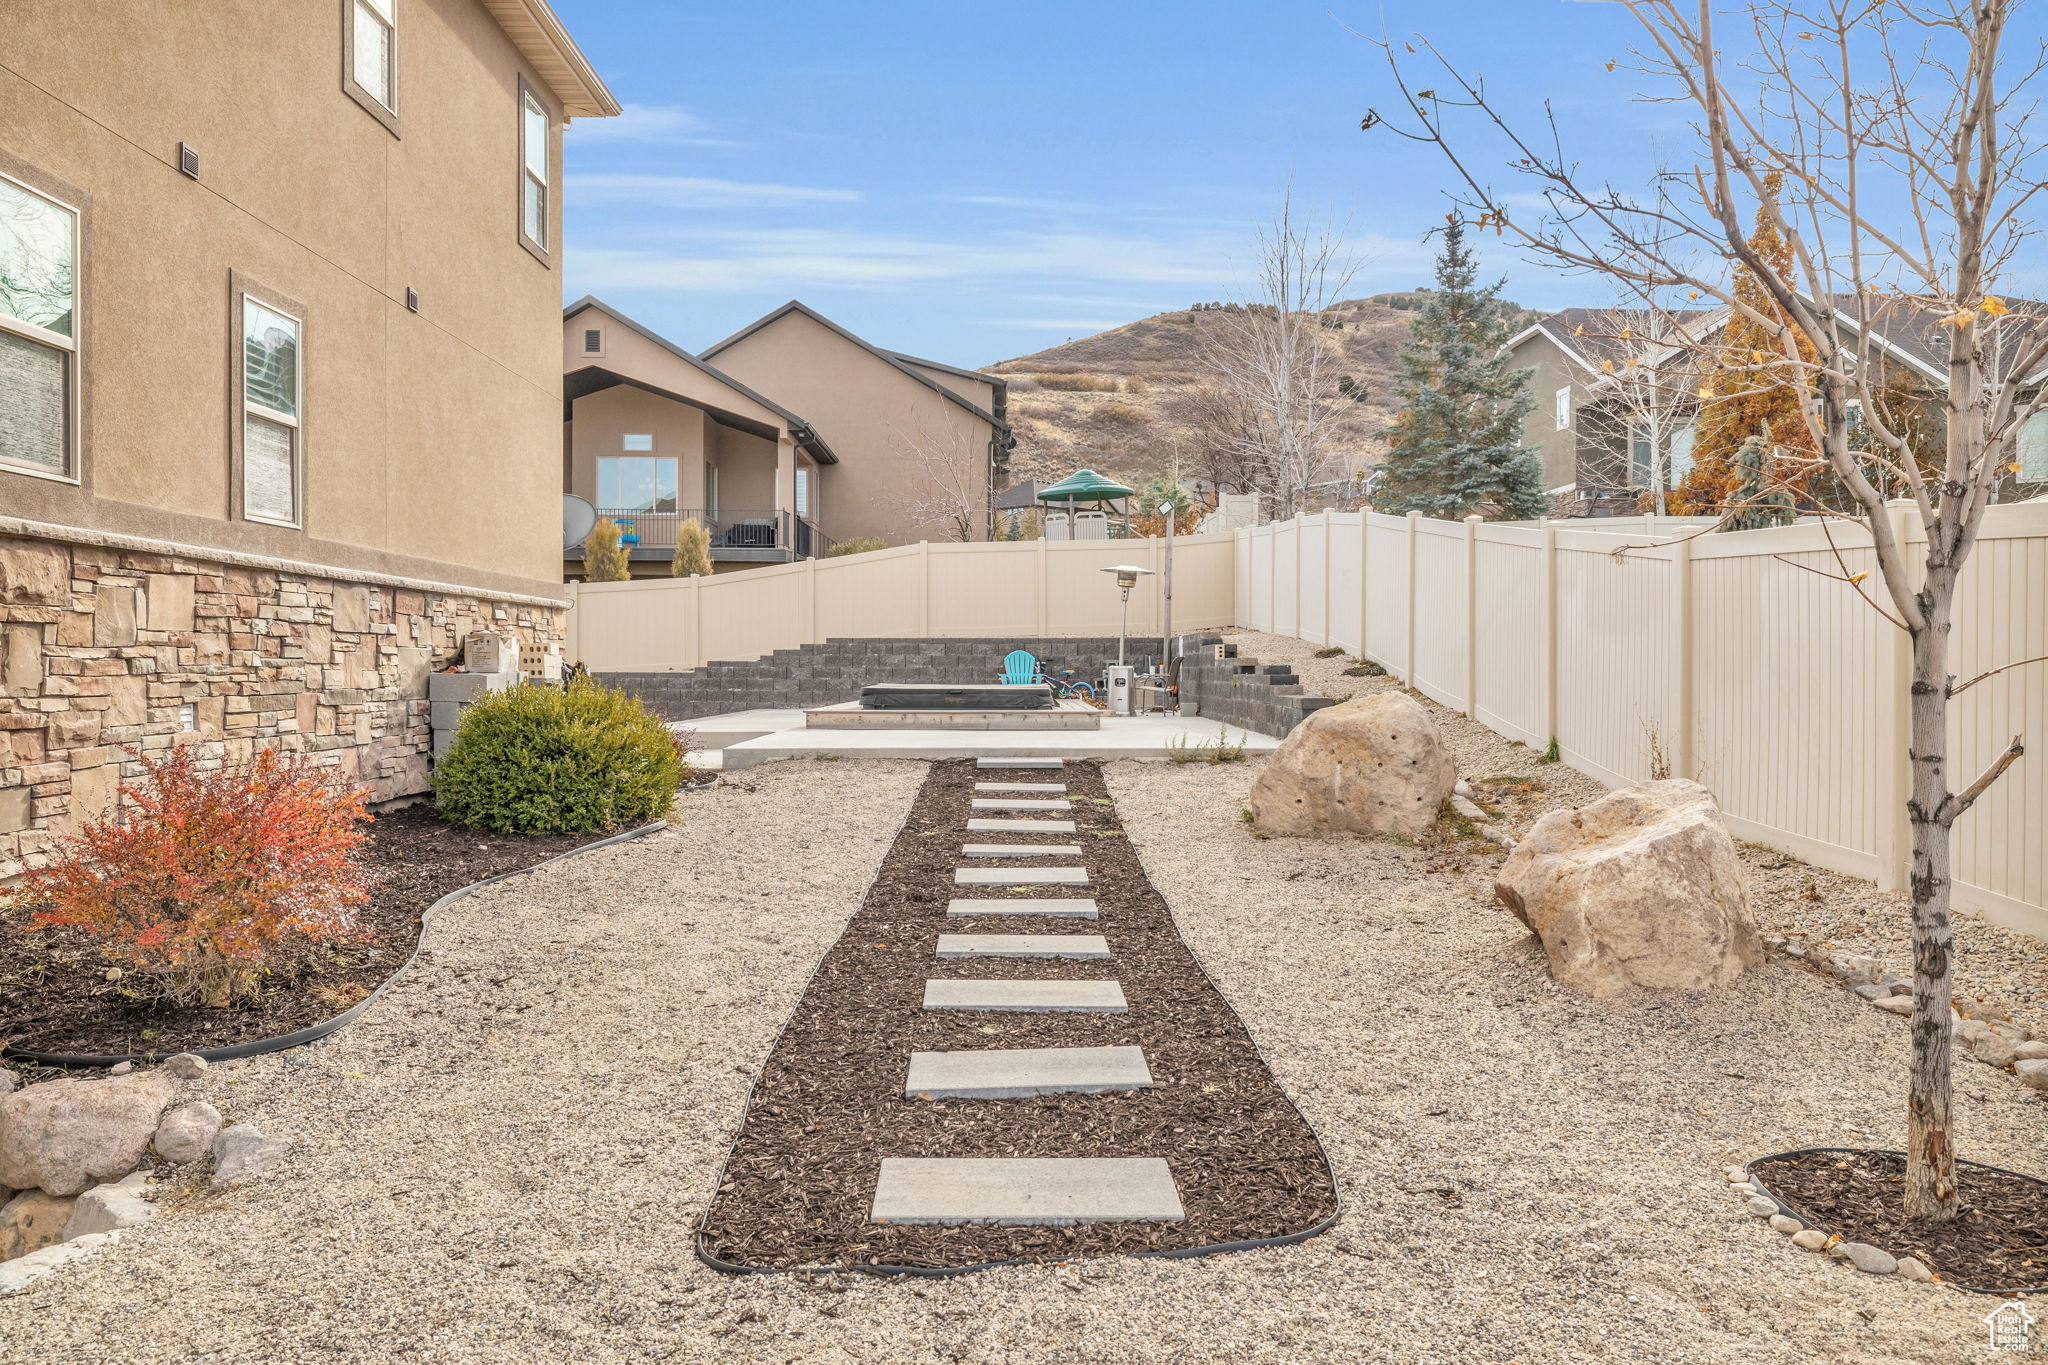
1457,446
1755,503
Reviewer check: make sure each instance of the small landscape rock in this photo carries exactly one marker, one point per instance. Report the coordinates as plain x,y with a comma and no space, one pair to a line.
1895,1004
186,1066
8,1081
2033,1074
1993,1049
1813,1239
18,1274
109,1208
243,1150
31,1221
1912,1268
62,1136
1781,1223
1870,990
187,1132
2025,1052
1857,967
1760,1206
1867,1258
120,1068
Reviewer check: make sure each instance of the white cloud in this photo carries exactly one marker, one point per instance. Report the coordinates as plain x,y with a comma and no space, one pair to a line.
1090,326
664,123
694,192
1011,201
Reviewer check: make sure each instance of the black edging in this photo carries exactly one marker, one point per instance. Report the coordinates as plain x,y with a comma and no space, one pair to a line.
1794,1211
939,1272
313,1033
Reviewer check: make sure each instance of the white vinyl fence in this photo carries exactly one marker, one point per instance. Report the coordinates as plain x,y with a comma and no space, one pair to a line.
1742,657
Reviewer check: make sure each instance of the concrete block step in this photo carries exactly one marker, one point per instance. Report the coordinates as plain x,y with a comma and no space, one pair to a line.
1017,803
1051,788
1026,1191
1020,826
1020,876
1031,997
1067,907
1020,850
1078,946
1014,1073
1019,762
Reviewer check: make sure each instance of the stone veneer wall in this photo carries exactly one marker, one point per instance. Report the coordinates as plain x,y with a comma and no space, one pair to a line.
107,649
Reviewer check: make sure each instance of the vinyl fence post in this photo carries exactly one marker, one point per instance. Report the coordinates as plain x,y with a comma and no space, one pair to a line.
1548,679
1329,555
1044,592
1472,616
1408,664
693,628
1297,522
1683,759
810,601
1364,583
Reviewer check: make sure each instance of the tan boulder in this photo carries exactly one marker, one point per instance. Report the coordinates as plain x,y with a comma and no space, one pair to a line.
31,1221
1374,765
62,1136
1640,888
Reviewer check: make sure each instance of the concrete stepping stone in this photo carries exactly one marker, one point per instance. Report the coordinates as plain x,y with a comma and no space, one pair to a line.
1020,876
1020,826
1013,1073
1020,762
1050,787
1070,908
1020,850
1037,997
1017,803
1026,1191
1023,945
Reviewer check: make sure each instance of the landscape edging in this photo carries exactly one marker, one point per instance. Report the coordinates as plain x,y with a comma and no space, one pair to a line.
313,1033
936,1272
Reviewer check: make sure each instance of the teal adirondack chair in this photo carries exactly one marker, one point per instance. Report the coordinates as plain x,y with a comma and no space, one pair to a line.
1019,666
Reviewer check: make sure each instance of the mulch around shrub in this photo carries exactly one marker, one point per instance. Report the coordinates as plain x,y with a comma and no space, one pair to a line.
55,996
829,1105
1999,1243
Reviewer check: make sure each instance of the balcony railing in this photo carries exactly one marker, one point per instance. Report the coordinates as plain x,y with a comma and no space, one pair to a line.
736,533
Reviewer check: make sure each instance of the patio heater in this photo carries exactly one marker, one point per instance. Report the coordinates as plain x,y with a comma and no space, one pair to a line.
1127,576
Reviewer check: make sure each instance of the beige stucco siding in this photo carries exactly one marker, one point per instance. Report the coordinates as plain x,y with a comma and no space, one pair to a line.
429,437
1551,370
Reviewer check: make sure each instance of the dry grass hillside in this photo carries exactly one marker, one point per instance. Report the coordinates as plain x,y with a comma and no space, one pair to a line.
1129,402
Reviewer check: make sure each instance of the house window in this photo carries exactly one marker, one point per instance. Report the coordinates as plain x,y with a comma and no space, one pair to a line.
710,490
636,483
633,442
533,172
803,492
369,57
2033,449
1642,457
1680,464
1564,408
272,445
38,333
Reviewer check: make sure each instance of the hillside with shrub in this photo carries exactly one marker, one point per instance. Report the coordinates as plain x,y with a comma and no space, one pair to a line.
1131,401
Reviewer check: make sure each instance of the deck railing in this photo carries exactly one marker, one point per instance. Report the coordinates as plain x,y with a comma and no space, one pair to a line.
736,530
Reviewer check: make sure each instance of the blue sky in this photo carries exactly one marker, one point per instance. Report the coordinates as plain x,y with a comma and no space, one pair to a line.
972,182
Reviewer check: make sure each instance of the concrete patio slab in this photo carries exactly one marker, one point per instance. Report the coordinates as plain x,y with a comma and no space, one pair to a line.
1144,737
1019,788
1020,876
1069,907
1040,997
1023,945
1020,762
1020,850
1026,1191
1020,826
1017,803
1013,1073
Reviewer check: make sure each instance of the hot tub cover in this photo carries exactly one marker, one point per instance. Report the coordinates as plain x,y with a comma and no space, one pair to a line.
957,697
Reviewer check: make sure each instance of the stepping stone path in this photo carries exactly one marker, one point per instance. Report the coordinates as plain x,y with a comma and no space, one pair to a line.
1020,826
1066,908
1037,1190
1018,1072
1020,850
1026,1190
1020,876
1023,945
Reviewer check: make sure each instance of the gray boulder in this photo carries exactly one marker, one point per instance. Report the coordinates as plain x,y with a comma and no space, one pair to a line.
109,1208
243,1150
186,1066
2032,1074
1374,765
62,1136
187,1132
1867,1258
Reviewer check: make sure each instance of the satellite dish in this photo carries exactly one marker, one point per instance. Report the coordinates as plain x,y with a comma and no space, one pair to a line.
579,518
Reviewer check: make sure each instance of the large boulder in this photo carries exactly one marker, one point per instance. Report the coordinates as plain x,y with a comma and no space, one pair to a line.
1640,888
1370,766
31,1221
61,1136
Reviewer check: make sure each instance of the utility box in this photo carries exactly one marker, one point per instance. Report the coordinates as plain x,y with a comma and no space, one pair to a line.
489,652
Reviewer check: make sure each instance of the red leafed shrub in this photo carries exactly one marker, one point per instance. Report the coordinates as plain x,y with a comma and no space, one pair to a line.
208,878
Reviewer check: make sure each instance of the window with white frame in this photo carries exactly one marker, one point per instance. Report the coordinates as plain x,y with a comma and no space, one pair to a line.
533,171
373,50
1642,455
2032,455
272,450
1564,407
38,333
1680,463
803,492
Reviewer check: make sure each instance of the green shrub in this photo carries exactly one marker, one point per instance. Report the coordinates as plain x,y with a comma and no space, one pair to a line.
535,759
859,545
605,558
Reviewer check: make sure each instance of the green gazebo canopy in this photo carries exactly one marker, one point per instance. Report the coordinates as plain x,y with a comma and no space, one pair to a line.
1085,486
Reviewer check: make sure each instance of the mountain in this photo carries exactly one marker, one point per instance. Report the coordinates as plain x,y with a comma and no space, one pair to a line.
1129,402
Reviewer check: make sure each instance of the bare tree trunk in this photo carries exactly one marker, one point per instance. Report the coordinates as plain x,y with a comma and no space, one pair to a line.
1930,1146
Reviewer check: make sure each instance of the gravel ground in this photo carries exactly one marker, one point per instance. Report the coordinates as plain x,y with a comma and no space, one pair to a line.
505,1162
1791,897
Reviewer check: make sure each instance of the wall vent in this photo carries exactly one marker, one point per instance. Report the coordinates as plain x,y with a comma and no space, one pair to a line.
593,341
412,299
188,159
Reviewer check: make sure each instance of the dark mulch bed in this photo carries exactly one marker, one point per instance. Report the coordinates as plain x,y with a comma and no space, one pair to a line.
829,1105
54,995
1999,1243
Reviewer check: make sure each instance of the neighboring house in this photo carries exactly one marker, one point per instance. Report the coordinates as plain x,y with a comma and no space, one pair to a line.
653,436
279,376
1603,427
922,446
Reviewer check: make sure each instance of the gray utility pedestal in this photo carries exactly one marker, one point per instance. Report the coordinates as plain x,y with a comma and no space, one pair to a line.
449,695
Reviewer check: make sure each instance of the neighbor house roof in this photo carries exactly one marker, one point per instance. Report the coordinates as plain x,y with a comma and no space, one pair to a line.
889,358
545,43
804,432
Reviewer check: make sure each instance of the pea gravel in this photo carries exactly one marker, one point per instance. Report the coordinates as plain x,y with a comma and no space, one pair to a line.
506,1163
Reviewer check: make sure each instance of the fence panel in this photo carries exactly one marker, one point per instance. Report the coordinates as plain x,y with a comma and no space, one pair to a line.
1510,634
870,596
1346,586
990,589
1386,576
1440,611
1616,685
1309,600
